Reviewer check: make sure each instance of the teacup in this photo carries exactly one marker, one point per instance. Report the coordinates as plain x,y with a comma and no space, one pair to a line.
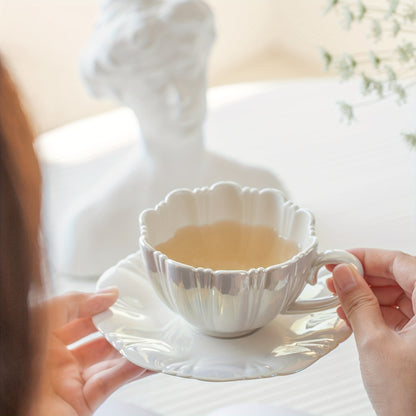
229,303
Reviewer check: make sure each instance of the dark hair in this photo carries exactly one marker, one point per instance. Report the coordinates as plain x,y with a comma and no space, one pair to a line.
20,269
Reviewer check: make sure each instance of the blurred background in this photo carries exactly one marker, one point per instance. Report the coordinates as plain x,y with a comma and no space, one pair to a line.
256,40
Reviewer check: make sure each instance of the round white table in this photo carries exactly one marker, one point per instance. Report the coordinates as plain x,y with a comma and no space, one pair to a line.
358,180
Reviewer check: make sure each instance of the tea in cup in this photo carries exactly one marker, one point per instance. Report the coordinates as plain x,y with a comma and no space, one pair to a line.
229,259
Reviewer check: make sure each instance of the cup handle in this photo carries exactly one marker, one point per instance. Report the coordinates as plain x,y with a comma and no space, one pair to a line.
326,302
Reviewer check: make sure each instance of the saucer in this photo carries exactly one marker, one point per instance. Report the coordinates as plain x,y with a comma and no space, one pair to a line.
150,335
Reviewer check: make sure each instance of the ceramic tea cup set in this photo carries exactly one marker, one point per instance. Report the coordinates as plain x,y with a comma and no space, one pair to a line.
229,259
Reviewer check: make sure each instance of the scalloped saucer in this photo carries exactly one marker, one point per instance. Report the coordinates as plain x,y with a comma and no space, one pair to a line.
147,333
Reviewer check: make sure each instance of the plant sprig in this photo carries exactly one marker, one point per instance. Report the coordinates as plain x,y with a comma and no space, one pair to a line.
383,73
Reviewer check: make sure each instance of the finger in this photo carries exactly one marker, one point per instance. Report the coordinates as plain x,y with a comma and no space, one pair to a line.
396,309
99,367
330,284
380,281
75,330
410,328
394,318
358,302
394,265
102,384
387,295
371,280
394,296
94,351
66,308
342,315
105,365
376,262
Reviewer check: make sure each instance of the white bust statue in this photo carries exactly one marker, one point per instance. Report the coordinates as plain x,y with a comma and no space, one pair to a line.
151,56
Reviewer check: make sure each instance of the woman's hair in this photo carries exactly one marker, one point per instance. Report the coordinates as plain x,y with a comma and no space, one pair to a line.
20,267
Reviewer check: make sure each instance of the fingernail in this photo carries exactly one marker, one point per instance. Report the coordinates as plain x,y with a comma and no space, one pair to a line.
344,277
111,290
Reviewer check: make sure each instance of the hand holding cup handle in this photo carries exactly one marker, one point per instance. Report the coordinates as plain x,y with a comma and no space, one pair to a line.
330,301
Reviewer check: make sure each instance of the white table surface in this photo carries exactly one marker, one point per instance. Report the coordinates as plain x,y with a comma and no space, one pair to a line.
358,180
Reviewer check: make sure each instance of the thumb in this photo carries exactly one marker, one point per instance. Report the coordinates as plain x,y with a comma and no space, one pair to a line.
358,301
71,306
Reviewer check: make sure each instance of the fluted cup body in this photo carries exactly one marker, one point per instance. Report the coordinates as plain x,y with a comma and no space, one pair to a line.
230,303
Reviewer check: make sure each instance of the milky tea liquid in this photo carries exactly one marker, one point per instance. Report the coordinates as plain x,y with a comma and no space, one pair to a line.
228,245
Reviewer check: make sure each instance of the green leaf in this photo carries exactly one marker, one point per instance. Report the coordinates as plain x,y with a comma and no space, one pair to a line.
391,74
369,85
396,27
346,66
410,138
330,5
347,111
409,13
326,58
406,52
366,84
348,17
378,88
376,29
400,91
362,10
393,4
374,59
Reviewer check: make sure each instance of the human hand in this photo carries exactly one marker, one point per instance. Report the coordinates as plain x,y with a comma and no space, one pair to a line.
380,308
75,381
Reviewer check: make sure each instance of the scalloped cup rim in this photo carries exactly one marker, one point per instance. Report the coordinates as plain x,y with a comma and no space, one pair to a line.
302,253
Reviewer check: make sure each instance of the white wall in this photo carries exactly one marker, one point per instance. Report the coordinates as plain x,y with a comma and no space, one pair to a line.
302,27
42,39
245,29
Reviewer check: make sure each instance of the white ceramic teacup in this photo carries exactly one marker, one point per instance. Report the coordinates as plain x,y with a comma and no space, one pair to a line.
230,303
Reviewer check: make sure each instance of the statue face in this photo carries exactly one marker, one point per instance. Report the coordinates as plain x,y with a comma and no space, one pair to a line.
169,107
170,100
152,57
